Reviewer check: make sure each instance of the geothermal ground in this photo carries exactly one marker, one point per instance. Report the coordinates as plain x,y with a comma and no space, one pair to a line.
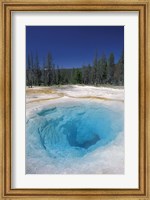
75,130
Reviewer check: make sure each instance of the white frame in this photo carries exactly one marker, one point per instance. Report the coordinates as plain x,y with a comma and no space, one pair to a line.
127,19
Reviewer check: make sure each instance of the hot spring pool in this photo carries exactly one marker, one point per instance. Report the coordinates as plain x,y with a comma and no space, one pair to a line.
67,138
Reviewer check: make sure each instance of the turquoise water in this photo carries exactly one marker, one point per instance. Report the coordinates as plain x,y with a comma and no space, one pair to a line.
64,133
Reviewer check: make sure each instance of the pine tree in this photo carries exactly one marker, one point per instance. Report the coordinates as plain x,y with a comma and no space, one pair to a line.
49,68
78,76
28,71
103,64
85,74
95,71
121,65
110,68
37,71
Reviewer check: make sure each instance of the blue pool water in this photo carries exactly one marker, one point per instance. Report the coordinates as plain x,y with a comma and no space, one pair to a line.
65,132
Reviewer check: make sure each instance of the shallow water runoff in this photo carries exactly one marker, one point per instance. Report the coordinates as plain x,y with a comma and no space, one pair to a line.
75,138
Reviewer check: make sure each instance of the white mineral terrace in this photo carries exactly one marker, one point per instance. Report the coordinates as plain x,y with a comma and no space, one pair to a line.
38,97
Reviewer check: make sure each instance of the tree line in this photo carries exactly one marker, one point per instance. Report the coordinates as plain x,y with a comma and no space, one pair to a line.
102,71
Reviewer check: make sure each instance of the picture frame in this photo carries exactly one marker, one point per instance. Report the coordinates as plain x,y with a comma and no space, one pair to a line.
7,7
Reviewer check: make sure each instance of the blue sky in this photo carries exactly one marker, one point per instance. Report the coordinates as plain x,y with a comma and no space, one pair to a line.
73,46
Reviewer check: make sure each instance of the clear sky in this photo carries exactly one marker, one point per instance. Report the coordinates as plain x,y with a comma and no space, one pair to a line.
73,46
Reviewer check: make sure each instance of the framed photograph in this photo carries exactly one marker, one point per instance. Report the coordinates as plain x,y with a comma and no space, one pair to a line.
74,99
